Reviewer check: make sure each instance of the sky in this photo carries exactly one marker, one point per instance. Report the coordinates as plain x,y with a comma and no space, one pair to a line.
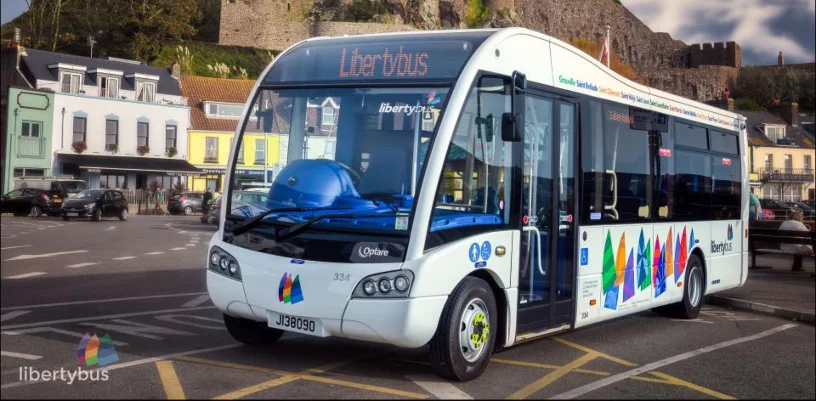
762,28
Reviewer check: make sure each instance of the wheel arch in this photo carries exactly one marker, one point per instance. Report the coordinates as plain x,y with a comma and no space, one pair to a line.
699,253
501,305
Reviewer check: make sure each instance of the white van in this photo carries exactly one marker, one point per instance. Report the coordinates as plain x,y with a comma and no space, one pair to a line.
68,186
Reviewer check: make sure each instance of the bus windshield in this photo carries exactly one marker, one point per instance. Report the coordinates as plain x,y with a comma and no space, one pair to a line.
335,151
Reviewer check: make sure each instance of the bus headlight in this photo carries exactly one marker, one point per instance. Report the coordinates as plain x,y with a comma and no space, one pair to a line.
224,264
396,284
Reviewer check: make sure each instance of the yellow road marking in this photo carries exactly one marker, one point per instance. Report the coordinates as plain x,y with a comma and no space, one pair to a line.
668,379
546,366
287,377
170,381
556,374
592,351
704,390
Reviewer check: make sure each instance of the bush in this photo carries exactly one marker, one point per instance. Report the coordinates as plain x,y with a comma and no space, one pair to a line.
243,62
477,14
747,104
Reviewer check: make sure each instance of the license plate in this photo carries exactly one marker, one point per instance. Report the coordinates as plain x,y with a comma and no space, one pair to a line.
312,327
57,200
72,214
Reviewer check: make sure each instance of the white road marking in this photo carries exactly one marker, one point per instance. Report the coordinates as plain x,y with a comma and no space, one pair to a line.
438,388
124,258
82,265
14,247
196,301
587,388
219,323
25,275
100,301
12,315
43,255
692,321
110,228
21,356
154,253
177,249
9,236
90,318
138,362
67,333
26,232
190,245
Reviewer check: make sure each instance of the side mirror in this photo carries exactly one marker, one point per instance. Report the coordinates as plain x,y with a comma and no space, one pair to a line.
513,122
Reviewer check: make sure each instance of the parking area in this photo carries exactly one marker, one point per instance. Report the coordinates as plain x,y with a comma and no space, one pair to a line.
159,336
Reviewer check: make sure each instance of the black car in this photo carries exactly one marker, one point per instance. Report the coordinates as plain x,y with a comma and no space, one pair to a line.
96,204
188,203
781,210
807,211
31,202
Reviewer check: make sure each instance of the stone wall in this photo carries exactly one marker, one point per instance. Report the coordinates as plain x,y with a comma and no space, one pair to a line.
701,84
332,28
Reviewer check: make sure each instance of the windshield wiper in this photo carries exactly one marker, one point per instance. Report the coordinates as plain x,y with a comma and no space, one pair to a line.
246,225
296,229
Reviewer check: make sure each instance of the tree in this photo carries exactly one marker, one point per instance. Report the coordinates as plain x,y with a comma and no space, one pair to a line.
152,22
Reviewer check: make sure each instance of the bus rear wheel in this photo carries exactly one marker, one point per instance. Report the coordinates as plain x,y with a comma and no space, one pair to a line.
251,332
693,292
464,340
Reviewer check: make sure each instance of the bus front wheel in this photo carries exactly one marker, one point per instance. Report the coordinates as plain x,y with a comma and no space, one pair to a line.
463,343
251,332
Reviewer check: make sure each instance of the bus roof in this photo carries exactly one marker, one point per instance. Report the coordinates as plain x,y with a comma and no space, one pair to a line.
440,56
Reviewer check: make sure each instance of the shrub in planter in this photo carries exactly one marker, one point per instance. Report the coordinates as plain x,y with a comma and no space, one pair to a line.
143,149
171,151
112,147
79,146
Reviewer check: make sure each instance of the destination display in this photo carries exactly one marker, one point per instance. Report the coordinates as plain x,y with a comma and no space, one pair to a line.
381,61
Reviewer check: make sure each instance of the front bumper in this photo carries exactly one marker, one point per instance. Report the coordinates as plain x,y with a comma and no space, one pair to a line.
407,323
80,212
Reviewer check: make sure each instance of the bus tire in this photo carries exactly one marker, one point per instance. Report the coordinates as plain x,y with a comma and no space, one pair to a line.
463,343
251,332
693,290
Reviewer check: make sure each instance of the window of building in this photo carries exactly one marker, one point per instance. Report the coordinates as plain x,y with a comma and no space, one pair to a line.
211,151
328,116
775,132
808,163
768,161
145,91
31,129
690,136
111,132
113,181
170,131
240,155
109,87
79,129
70,82
792,193
788,163
143,134
260,151
224,110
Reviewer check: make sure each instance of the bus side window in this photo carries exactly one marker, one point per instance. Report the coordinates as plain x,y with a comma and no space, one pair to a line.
664,181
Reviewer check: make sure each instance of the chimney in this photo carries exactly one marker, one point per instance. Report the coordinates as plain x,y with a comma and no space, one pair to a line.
175,70
780,60
789,112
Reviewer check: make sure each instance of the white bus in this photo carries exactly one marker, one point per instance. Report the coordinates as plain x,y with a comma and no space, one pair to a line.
488,187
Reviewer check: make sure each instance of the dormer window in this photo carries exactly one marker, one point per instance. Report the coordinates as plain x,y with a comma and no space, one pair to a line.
775,132
109,87
70,82
227,110
146,91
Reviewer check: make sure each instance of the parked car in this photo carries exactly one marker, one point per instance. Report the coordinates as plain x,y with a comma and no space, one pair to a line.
807,211
33,202
96,204
186,202
810,202
238,198
780,210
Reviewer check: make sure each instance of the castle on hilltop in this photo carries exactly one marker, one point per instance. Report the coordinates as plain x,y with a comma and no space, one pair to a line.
698,71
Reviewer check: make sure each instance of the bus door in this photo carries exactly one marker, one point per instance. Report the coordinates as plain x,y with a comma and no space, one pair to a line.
547,244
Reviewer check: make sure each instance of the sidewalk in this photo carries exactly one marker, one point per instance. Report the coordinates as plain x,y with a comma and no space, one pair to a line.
776,291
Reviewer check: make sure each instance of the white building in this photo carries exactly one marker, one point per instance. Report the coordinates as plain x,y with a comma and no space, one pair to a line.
117,123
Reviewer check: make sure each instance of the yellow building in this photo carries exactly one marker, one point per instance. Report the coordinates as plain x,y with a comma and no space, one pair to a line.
215,109
782,156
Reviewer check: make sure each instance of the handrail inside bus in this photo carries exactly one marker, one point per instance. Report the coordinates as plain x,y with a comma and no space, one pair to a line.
538,242
614,188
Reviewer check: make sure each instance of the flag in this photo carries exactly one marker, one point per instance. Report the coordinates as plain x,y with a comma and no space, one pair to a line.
605,48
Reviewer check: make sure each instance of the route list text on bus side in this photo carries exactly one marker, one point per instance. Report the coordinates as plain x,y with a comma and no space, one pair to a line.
391,64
